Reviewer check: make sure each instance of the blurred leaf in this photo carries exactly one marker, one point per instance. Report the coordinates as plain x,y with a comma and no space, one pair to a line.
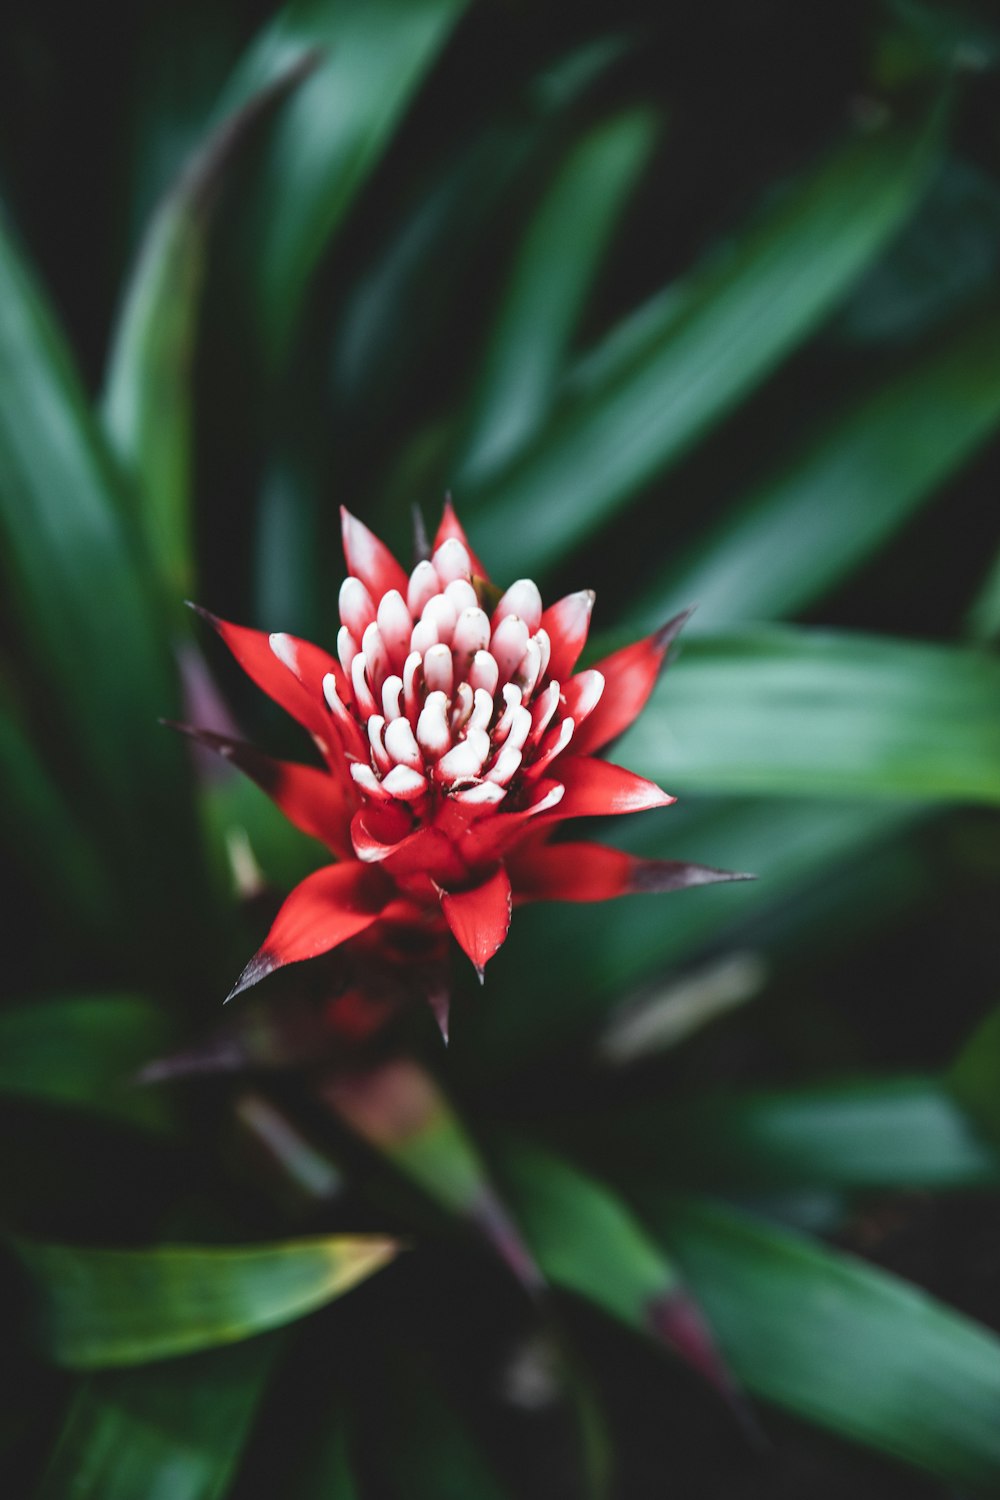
42,828
401,305
329,137
842,1344
401,1112
983,620
974,1076
945,257
88,609
99,1308
173,1431
746,308
148,385
557,260
847,491
794,712
84,1051
588,1242
328,1470
562,967
893,1133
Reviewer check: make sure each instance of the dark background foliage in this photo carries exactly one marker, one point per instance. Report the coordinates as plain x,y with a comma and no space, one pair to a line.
819,474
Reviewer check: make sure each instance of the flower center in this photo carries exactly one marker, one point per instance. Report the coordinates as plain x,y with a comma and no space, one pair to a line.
447,695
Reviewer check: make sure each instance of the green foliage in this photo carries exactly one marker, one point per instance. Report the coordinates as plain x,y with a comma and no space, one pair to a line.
654,336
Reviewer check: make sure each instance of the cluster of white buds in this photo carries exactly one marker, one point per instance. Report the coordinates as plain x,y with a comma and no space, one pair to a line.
447,695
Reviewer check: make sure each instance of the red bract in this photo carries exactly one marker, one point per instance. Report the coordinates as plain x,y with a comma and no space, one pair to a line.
456,738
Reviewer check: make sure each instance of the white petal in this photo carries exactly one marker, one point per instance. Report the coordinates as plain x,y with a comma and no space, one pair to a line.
512,701
482,711
433,734
357,609
484,673
423,636
412,668
461,709
442,614
505,765
405,783
471,634
461,595
424,584
438,670
451,561
402,746
542,710
284,649
558,745
508,645
465,760
522,599
363,697
520,728
529,670
368,781
392,694
480,794
376,655
380,755
543,641
396,624
348,646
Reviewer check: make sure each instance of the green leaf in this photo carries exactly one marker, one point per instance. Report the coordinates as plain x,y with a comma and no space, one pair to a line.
843,495
88,607
983,620
744,311
563,966
174,1431
842,1344
375,54
586,1241
83,1052
557,260
891,1133
43,830
148,385
794,712
99,1308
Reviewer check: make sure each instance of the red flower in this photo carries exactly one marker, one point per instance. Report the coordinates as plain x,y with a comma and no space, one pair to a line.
456,738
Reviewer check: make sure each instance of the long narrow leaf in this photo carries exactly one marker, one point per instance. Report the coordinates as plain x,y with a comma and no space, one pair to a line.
147,397
84,1052
843,496
843,1344
557,260
100,1308
173,1431
748,308
794,712
891,1133
375,54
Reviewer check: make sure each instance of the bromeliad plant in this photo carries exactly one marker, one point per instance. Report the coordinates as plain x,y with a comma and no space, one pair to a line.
619,1235
457,739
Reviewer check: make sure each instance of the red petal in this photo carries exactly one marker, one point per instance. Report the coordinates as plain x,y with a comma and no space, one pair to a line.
630,675
380,837
486,840
595,788
451,526
581,697
309,797
480,918
295,680
323,911
369,559
567,622
584,871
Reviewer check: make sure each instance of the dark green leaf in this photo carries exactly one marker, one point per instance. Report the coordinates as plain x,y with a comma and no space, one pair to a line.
558,257
169,1432
974,1077
99,1308
792,712
712,344
329,137
984,615
147,398
83,1052
843,1344
894,1133
843,496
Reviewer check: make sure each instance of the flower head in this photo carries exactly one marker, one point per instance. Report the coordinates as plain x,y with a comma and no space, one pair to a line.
456,738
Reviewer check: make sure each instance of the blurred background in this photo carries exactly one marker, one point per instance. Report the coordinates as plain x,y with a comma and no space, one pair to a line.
688,304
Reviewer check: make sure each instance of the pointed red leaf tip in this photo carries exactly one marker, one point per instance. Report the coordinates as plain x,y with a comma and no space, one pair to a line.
480,917
630,676
678,1320
567,623
585,871
451,526
309,797
287,669
322,912
369,559
596,788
